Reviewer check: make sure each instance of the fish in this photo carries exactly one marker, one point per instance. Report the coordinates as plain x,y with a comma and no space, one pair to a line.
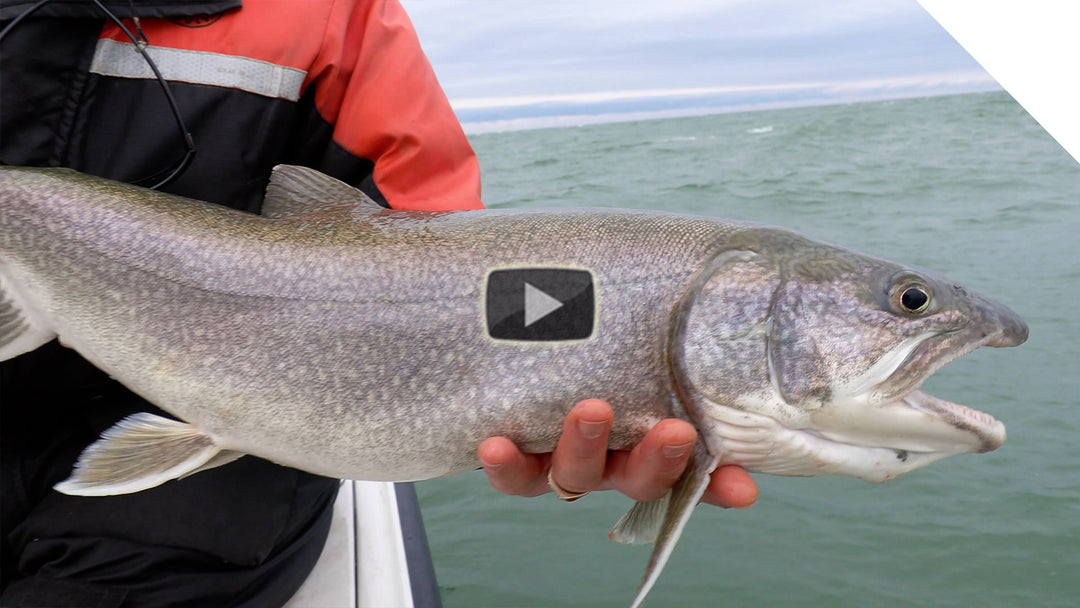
339,337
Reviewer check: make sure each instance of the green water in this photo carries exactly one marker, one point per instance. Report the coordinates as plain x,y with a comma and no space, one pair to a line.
969,186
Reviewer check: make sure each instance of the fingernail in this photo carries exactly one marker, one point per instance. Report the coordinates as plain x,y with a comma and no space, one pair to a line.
591,429
676,451
490,466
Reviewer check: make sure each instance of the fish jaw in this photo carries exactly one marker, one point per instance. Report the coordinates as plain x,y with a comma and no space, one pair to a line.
877,426
990,431
763,444
884,441
875,444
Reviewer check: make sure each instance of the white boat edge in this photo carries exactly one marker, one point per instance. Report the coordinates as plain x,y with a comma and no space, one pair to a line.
376,555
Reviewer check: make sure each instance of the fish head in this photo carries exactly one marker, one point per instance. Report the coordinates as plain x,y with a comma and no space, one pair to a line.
801,358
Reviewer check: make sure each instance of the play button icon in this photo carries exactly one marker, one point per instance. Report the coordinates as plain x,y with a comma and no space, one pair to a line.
540,304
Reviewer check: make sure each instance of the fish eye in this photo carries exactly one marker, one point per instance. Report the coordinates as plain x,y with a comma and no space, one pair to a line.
914,298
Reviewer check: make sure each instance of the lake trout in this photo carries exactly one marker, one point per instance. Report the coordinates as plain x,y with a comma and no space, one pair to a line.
346,339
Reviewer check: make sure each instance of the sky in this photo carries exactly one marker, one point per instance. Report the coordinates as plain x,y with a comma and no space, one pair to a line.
516,64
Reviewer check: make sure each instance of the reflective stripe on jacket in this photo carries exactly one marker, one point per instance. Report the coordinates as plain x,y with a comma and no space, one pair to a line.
338,85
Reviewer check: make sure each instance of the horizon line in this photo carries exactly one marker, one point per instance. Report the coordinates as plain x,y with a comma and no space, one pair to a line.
577,109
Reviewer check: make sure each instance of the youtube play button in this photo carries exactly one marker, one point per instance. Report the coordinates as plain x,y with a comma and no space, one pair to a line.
540,304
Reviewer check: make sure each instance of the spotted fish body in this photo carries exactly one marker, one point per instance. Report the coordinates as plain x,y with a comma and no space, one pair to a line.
349,340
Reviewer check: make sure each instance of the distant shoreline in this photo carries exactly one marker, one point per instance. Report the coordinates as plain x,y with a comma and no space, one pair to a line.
479,119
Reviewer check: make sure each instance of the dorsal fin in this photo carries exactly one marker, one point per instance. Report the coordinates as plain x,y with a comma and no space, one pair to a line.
296,191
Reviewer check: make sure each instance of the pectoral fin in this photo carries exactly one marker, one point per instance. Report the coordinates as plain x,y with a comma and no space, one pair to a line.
683,498
221,458
140,452
20,332
641,524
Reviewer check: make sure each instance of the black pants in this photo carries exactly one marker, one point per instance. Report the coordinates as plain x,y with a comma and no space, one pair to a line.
245,534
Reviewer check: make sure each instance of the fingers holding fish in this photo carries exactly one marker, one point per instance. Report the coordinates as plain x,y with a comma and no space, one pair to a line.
653,466
731,487
644,473
580,459
511,471
582,462
577,466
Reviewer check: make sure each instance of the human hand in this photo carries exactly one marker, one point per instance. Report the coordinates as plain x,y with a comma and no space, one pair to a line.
581,462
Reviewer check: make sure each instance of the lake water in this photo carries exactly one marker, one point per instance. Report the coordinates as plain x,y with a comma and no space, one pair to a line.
969,186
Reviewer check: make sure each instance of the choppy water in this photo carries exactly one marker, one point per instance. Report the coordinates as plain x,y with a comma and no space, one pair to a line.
969,186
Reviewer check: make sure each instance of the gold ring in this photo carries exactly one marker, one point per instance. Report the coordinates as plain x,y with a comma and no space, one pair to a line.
563,494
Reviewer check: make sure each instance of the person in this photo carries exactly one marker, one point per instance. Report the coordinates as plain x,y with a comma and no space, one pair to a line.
340,86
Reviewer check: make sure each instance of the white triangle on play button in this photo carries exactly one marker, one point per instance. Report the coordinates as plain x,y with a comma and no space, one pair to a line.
538,304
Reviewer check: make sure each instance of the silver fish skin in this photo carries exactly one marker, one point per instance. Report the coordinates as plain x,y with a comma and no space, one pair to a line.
349,340
353,347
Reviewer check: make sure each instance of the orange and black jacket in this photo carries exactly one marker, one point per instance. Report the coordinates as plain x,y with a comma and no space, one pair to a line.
338,85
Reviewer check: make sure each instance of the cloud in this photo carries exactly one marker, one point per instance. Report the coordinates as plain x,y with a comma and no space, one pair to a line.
491,55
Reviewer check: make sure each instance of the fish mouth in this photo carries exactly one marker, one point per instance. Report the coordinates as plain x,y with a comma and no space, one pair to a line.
989,430
879,442
894,414
901,388
881,428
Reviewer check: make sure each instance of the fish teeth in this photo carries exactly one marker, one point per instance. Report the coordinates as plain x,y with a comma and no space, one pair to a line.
941,407
967,412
